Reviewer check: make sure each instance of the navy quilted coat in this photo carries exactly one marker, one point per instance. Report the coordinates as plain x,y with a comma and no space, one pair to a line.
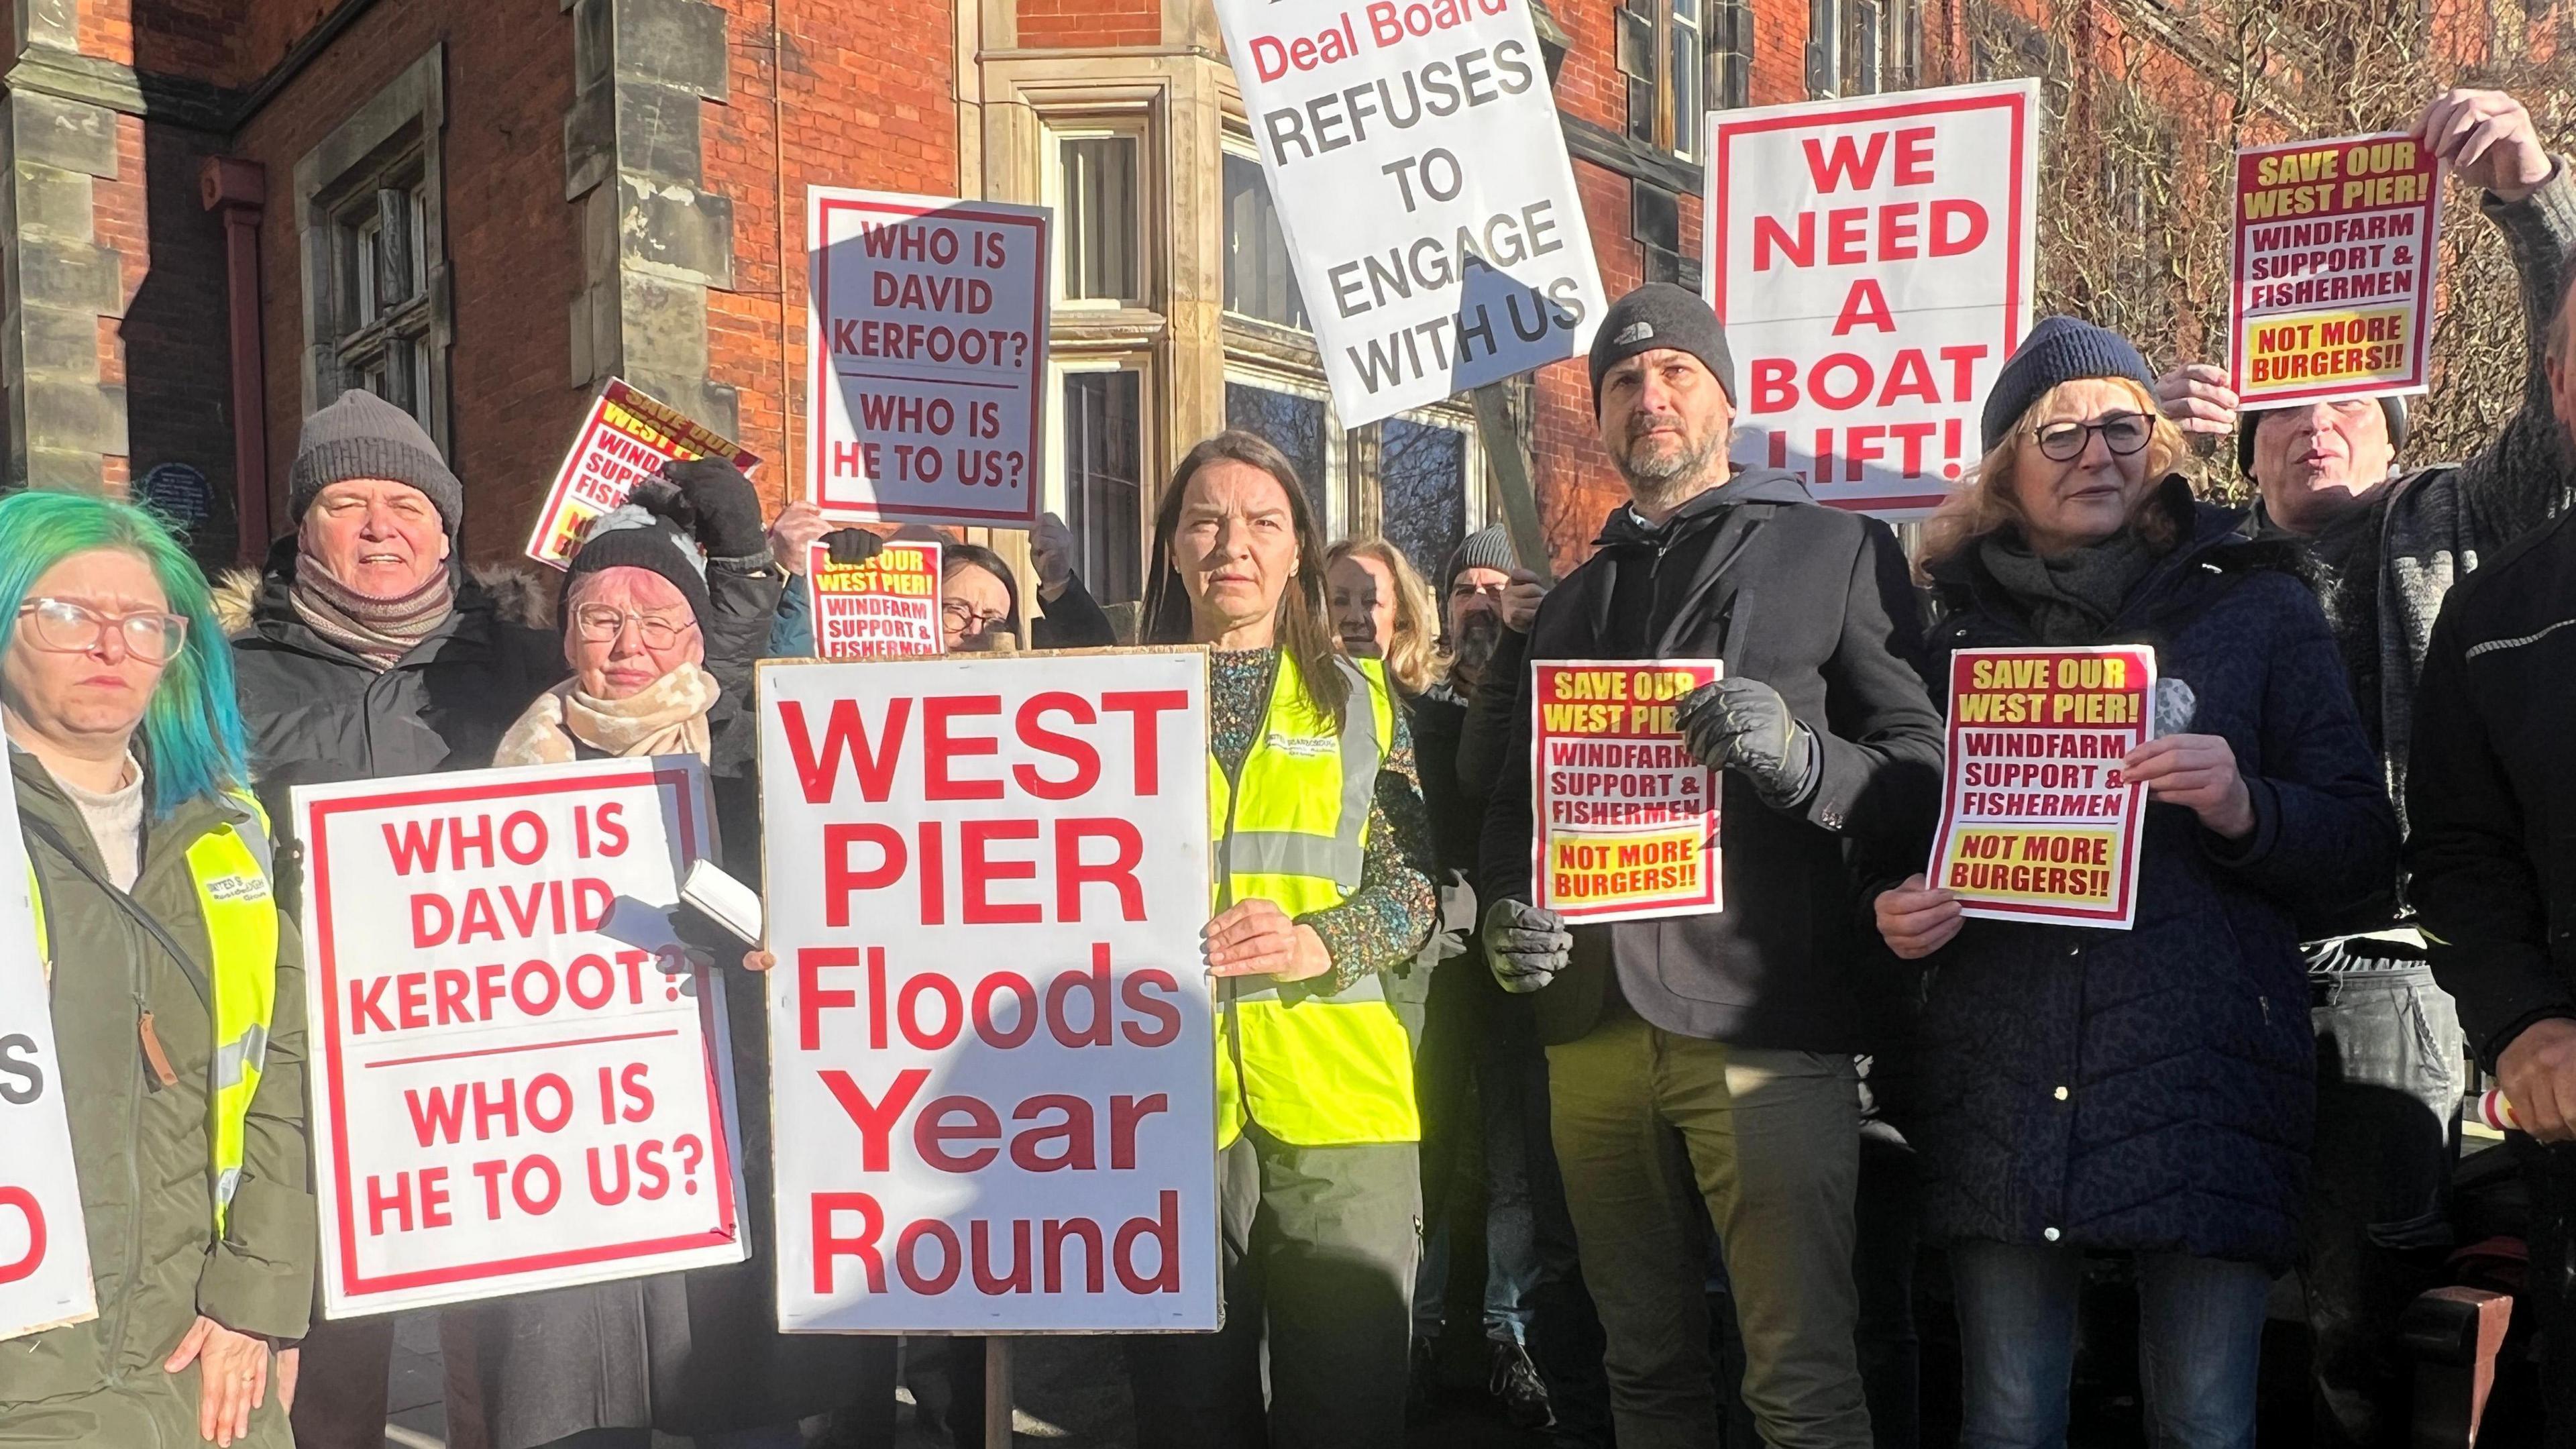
2150,1089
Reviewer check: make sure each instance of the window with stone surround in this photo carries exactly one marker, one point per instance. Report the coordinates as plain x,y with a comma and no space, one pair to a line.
370,222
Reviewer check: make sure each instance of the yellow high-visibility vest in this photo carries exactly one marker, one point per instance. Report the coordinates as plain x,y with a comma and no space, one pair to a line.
233,871
1292,827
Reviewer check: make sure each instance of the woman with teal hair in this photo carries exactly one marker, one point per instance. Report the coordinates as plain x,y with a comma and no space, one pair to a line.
176,989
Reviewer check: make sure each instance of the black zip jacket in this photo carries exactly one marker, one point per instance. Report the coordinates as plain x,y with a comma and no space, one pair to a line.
2491,795
1814,602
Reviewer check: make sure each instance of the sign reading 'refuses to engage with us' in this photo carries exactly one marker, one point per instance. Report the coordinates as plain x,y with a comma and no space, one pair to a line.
1627,820
2335,243
2037,823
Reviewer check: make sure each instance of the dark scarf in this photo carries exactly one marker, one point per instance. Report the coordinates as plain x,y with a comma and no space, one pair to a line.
378,631
2072,598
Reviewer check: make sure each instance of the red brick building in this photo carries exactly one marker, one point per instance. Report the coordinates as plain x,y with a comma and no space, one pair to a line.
220,212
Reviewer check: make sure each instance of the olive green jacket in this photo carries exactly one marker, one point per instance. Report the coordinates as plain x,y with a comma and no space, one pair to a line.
142,1149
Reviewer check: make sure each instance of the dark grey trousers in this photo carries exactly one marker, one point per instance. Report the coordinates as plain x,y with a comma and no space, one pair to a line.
1320,1248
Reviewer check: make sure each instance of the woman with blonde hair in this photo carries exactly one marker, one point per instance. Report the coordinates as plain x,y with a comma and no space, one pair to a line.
1383,610
2149,1091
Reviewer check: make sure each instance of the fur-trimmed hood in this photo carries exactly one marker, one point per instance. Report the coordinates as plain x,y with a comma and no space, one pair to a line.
520,593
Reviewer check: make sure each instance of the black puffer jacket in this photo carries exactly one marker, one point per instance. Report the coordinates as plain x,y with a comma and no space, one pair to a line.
2152,1089
319,715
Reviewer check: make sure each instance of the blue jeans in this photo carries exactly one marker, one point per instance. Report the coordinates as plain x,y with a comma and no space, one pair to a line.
2200,1342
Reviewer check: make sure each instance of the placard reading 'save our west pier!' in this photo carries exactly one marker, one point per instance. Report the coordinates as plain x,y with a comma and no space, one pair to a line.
2335,244
1627,820
992,1051
624,439
2036,821
520,1080
888,605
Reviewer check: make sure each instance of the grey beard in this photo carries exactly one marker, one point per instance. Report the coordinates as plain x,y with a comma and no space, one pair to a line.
1661,486
1473,647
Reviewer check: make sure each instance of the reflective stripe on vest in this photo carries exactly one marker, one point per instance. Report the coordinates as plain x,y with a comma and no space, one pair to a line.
1316,1070
235,898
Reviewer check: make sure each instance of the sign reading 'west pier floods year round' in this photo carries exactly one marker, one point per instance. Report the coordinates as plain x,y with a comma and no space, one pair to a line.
926,346
520,1079
992,1050
1627,820
2036,822
1419,167
2335,245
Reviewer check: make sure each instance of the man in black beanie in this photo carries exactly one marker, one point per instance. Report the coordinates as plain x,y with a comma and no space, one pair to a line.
2387,546
1713,1054
370,653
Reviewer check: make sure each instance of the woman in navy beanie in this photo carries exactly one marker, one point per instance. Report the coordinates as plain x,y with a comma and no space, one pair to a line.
2145,1092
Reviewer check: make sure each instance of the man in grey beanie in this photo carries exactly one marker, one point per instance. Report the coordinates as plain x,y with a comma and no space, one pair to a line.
368,653
2387,545
1711,1056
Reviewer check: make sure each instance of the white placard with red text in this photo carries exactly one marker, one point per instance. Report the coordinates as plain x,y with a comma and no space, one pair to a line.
926,347
44,1247
992,1051
519,1079
1872,260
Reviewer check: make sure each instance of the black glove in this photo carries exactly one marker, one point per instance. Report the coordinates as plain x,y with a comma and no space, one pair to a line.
1744,725
728,507
852,546
1524,946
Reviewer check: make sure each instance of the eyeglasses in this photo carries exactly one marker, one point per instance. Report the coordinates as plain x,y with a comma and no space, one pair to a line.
60,626
2122,433
601,624
966,619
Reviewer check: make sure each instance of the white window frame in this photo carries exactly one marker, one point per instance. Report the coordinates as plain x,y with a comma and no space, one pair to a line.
1137,130
1338,502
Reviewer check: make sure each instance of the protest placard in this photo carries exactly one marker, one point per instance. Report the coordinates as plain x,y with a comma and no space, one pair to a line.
1627,820
926,347
2334,249
888,605
1415,156
624,439
1872,260
44,1246
520,1079
2036,823
992,1061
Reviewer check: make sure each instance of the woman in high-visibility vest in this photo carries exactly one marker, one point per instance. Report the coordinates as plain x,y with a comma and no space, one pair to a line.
176,995
1322,888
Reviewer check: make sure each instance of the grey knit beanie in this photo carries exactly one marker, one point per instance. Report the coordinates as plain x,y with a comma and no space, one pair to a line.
1489,548
2059,349
1661,315
360,435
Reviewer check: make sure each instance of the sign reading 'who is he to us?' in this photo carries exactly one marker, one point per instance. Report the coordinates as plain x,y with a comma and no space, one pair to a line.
1627,820
2037,823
